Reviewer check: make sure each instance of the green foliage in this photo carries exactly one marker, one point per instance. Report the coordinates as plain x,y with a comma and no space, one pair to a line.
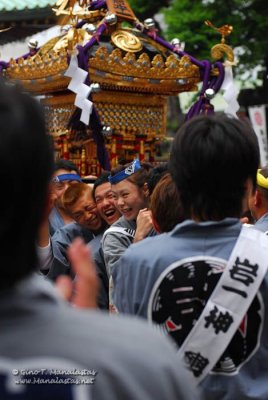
185,20
147,8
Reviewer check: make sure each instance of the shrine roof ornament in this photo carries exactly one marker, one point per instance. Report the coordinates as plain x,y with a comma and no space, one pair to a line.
104,47
126,58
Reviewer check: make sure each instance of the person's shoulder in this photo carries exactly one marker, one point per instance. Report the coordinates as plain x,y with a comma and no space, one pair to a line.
96,241
131,348
122,222
121,228
262,223
110,230
118,222
163,248
72,230
148,245
68,228
106,331
120,336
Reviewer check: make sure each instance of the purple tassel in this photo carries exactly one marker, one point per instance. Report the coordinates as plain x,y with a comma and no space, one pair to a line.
97,5
95,124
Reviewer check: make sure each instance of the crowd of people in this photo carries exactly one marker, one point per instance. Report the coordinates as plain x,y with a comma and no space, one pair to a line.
163,247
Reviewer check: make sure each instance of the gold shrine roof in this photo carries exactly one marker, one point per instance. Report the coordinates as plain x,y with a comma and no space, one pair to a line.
123,59
119,52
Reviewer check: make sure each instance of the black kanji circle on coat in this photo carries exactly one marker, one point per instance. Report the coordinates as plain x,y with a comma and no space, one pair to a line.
180,295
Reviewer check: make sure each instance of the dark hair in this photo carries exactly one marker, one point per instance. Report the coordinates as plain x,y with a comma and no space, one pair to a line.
139,178
26,165
211,159
264,191
65,164
165,204
155,176
103,178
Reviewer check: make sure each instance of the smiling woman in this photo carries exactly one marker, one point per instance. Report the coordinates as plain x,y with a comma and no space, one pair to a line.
129,186
131,197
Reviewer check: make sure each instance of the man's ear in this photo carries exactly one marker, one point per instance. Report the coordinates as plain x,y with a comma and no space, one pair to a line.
258,198
146,190
249,188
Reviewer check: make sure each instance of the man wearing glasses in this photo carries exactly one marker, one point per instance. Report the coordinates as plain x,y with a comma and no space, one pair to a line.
65,174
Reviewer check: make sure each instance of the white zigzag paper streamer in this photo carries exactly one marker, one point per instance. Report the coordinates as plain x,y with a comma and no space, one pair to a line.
82,90
230,91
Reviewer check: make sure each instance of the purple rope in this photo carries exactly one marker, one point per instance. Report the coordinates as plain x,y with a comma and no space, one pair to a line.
207,68
97,5
169,46
102,153
95,123
220,77
214,84
80,24
5,65
193,110
92,7
198,106
94,38
30,53
203,103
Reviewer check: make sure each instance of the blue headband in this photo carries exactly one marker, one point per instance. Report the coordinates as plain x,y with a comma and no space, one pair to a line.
66,177
134,167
